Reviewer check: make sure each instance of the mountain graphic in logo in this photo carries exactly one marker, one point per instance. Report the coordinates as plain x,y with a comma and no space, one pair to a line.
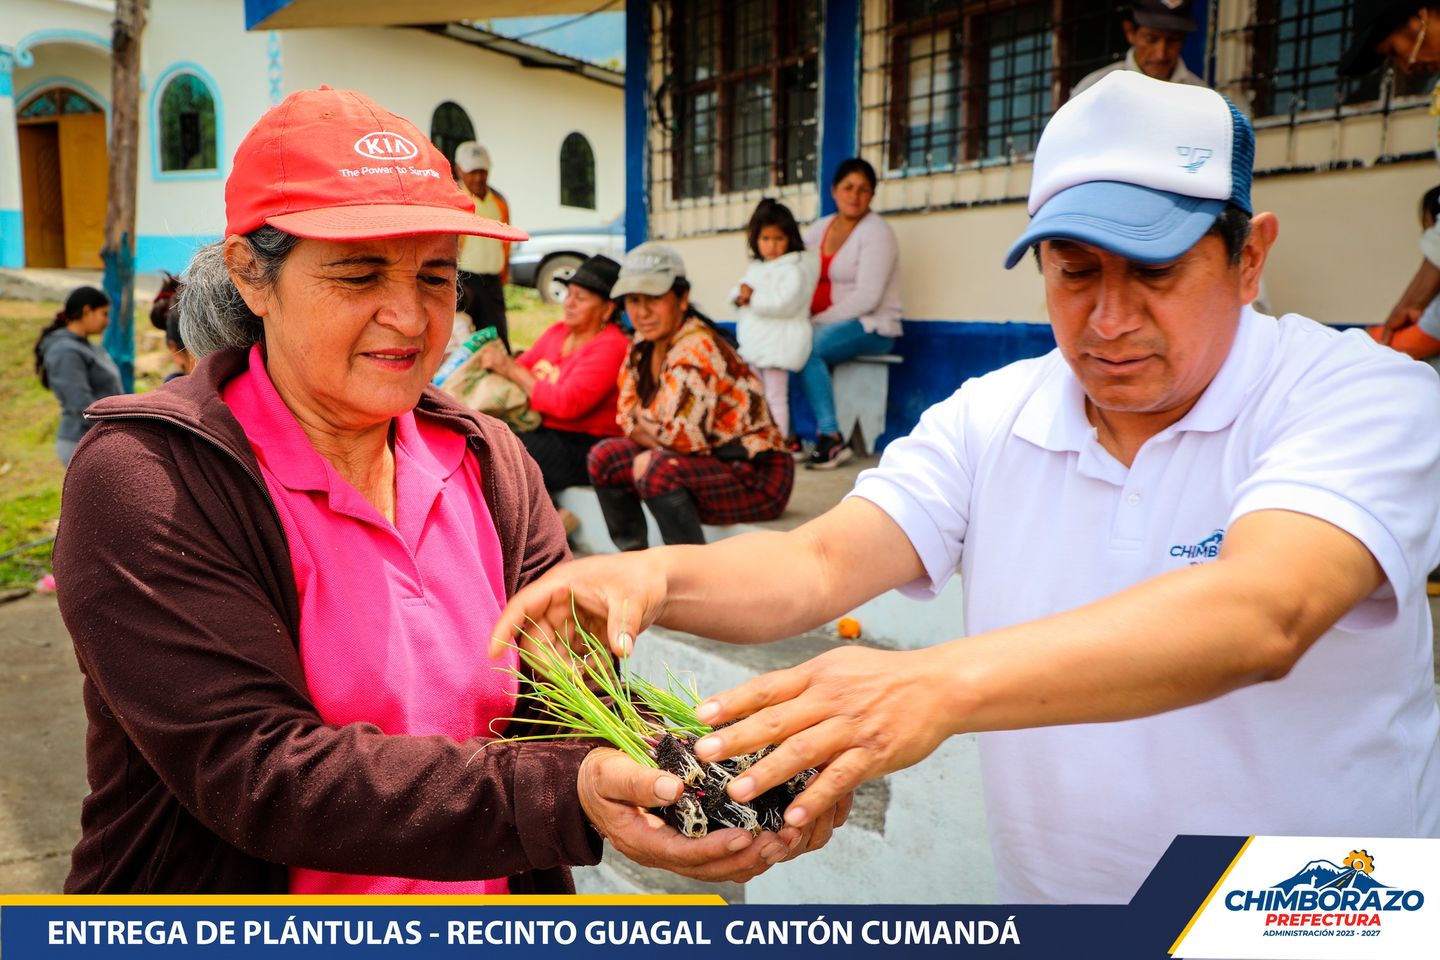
1324,875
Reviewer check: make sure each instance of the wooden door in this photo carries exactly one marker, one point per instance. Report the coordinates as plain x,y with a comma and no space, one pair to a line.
41,197
85,185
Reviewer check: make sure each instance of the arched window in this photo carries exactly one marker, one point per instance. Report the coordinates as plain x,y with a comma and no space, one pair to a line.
54,102
577,172
187,124
449,127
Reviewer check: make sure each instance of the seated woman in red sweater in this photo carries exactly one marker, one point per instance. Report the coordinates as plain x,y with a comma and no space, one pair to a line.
571,375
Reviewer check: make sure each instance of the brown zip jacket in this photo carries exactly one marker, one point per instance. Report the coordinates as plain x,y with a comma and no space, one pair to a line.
210,770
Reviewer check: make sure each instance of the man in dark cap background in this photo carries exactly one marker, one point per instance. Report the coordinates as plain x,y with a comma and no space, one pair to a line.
1155,30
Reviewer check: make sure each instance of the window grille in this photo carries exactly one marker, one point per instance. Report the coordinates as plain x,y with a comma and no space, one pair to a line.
742,79
973,81
1294,49
577,172
187,125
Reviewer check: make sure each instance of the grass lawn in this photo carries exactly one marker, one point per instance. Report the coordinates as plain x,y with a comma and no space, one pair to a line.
30,473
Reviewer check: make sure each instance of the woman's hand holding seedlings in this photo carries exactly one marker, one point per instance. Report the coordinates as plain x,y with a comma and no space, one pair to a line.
855,713
614,789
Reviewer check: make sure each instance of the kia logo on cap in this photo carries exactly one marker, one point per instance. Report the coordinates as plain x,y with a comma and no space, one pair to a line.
385,146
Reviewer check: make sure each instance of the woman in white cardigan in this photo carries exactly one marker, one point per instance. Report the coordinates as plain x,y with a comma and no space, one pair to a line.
856,307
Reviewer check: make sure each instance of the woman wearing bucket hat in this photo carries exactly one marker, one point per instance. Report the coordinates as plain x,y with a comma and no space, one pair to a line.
571,377
281,622
699,443
1406,35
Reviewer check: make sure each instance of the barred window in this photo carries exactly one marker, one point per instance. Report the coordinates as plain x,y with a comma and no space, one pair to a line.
1295,49
577,172
187,125
745,94
975,80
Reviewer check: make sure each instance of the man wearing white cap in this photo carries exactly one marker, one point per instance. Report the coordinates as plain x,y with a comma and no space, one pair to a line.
484,263
1193,541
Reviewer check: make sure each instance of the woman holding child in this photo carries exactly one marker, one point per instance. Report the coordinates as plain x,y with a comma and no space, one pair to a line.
856,305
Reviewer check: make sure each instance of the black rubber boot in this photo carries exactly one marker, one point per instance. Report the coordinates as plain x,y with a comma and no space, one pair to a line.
676,516
624,517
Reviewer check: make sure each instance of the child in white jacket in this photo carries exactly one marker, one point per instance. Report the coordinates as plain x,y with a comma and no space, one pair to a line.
773,320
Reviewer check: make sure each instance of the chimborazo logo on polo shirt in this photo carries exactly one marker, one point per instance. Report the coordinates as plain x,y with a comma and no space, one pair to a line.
1207,549
385,146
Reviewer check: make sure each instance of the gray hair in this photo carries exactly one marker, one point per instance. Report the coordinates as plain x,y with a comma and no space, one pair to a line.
212,313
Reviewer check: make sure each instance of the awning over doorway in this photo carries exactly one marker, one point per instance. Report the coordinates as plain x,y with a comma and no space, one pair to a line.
285,14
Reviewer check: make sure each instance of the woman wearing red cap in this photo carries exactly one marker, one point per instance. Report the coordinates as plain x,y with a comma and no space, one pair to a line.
282,621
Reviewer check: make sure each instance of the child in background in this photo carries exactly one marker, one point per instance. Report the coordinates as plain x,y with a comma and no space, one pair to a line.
1420,338
773,320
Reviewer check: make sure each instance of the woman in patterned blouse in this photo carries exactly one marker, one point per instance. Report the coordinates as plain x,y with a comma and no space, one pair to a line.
699,443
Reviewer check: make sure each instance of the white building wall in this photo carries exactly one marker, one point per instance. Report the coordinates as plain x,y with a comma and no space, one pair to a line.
522,115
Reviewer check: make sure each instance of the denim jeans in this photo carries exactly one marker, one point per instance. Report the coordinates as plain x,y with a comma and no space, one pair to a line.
835,343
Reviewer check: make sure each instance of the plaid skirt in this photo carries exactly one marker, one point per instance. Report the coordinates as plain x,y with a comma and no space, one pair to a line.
725,491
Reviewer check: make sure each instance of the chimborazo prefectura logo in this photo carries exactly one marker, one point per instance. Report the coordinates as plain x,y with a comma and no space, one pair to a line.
1327,895
385,146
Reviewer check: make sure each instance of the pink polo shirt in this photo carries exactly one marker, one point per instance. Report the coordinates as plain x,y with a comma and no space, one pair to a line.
394,620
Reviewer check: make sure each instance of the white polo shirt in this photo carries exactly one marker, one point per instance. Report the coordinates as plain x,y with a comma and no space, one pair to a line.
1007,481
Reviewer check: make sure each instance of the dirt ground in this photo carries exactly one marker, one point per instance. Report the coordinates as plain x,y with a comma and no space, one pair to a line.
42,745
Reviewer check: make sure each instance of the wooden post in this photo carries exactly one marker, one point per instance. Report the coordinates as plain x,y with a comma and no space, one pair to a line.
118,254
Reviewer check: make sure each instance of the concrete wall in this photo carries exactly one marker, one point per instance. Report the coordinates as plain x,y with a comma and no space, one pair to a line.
522,115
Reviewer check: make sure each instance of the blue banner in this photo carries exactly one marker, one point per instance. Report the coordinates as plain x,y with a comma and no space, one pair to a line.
632,927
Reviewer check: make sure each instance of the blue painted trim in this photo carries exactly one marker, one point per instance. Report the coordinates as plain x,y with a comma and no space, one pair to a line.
155,252
274,70
637,120
939,355
12,238
185,68
50,83
23,49
7,68
258,11
839,91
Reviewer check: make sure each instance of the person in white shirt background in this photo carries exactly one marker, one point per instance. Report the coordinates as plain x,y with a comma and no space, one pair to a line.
1193,542
772,322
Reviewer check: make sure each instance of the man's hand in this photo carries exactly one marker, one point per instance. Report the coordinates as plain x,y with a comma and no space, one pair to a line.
614,597
614,789
854,712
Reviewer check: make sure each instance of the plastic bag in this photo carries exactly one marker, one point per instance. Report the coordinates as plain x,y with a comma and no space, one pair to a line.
493,394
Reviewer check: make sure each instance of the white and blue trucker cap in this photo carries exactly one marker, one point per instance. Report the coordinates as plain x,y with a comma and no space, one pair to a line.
1139,167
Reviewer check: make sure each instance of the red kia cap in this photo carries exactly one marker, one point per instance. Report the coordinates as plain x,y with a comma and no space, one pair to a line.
335,165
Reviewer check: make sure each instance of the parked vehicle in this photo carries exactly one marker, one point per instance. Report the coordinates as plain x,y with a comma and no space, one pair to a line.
550,256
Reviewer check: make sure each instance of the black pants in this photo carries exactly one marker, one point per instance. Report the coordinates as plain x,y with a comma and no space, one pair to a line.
482,295
561,455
